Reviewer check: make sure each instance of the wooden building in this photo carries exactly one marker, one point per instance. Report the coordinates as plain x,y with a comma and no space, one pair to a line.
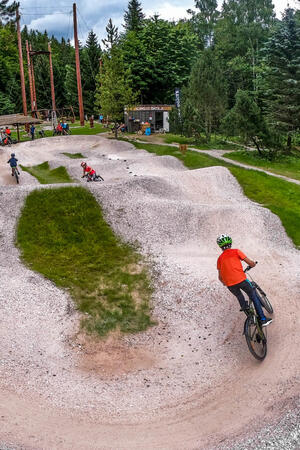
156,115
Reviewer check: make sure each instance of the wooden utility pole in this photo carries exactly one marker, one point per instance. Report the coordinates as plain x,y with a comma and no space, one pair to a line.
51,78
79,88
33,80
29,76
21,63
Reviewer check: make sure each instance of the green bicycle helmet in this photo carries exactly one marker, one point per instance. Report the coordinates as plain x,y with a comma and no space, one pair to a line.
224,241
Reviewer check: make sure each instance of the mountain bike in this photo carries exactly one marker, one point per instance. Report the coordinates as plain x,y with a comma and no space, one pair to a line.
16,174
93,177
255,334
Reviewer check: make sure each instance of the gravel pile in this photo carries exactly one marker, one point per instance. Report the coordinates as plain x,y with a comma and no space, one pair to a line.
190,375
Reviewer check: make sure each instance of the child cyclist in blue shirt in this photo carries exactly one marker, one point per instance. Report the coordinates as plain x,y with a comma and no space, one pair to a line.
13,162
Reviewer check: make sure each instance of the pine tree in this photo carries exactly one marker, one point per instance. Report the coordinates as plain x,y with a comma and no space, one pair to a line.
206,94
282,76
245,119
112,35
70,86
134,16
90,67
7,12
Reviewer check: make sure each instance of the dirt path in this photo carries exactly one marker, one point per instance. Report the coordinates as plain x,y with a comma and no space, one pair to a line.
187,383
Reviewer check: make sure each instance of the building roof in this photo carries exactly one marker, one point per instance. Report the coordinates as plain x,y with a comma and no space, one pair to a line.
17,119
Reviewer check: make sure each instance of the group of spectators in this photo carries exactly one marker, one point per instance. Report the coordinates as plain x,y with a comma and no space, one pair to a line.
62,128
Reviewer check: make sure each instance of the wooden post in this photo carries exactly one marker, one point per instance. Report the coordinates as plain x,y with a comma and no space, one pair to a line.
29,76
79,89
33,82
51,78
21,63
18,132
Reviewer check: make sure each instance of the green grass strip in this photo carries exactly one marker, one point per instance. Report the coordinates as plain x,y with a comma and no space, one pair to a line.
192,160
281,197
289,166
87,130
74,155
217,142
45,175
72,245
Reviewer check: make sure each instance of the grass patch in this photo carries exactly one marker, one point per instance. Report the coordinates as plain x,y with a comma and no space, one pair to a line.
216,142
288,166
192,160
76,129
74,155
45,175
281,197
171,138
72,245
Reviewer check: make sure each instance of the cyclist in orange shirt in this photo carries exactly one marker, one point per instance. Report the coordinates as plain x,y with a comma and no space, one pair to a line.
232,275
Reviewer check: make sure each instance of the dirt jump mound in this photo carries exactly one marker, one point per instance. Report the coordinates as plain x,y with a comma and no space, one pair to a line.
186,383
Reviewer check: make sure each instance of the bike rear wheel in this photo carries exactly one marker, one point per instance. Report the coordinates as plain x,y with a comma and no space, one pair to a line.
255,338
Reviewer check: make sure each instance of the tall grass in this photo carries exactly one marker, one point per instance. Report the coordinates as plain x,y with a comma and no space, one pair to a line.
62,234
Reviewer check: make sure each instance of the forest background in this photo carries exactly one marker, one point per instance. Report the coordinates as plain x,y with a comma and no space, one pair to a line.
237,69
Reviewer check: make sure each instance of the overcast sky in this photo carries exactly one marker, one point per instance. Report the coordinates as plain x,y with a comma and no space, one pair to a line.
56,16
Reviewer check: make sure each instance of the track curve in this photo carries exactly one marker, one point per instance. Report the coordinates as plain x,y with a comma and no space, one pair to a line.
187,383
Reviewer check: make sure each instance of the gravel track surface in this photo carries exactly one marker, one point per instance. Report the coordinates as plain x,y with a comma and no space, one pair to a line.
187,383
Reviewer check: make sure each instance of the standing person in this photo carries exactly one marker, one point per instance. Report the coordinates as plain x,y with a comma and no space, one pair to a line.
32,131
232,275
8,134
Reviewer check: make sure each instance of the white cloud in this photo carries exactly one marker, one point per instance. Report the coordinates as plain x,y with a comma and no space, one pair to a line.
169,11
56,17
58,23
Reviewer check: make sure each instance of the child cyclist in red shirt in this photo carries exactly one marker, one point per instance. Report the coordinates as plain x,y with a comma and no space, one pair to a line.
232,275
88,172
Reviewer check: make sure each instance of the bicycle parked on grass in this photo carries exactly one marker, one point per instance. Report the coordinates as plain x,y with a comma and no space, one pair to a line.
255,334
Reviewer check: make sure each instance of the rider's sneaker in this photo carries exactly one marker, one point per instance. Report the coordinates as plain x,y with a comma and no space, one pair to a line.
266,322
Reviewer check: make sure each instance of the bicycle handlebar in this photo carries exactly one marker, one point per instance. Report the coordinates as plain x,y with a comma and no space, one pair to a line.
249,267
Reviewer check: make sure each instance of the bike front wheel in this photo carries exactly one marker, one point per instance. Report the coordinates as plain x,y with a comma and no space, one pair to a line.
264,300
255,338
